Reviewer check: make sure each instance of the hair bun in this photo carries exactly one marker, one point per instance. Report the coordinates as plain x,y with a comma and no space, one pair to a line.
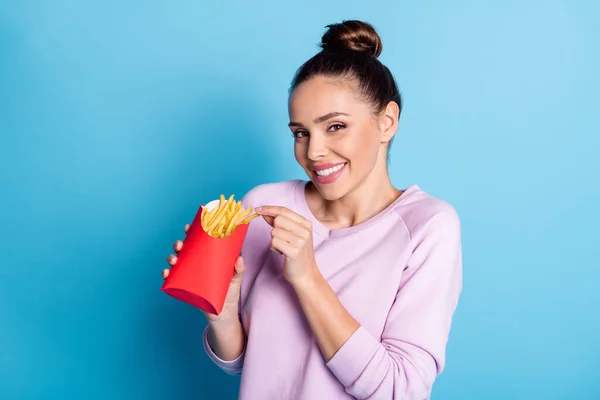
352,35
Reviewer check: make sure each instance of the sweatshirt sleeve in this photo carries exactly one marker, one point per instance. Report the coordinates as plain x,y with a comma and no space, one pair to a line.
410,354
233,367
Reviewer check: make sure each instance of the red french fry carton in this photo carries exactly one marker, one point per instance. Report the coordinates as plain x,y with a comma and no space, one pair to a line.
205,266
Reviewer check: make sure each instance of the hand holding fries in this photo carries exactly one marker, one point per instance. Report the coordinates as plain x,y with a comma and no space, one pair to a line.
222,220
230,306
209,261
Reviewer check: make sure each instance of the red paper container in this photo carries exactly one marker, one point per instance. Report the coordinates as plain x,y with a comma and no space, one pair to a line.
205,266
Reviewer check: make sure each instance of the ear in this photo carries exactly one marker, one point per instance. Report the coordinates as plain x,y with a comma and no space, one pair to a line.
388,121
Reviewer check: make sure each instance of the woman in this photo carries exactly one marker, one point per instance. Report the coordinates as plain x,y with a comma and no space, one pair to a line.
349,284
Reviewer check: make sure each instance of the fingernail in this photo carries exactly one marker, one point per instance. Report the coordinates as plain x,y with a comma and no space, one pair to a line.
258,209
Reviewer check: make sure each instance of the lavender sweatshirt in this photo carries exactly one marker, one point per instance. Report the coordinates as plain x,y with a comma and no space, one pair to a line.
399,274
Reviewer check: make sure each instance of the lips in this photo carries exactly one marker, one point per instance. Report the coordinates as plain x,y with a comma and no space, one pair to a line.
327,173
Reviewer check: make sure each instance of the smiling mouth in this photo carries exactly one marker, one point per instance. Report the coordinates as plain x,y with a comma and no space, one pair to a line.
324,173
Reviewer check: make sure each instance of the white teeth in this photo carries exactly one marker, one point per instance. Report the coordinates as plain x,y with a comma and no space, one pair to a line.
329,171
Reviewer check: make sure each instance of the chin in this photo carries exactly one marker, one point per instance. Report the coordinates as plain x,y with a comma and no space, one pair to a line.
331,191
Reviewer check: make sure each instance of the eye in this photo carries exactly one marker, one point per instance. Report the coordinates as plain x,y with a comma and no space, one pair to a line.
336,127
299,134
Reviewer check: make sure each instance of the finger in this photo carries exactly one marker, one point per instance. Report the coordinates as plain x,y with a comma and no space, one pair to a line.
177,246
283,247
172,259
240,266
284,222
286,235
186,228
269,220
295,228
165,273
274,211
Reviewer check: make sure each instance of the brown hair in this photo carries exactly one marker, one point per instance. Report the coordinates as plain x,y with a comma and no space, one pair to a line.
349,51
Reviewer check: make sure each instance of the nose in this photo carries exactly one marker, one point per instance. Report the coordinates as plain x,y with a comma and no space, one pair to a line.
317,148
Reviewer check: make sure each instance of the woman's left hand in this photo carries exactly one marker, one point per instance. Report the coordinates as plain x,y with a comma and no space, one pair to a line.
292,237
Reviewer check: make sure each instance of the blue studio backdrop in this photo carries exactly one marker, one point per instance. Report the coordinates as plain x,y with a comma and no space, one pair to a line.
117,119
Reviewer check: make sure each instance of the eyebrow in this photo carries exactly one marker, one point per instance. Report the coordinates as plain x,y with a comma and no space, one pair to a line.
320,119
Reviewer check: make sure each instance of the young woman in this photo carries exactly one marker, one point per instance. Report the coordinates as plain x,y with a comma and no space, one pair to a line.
349,284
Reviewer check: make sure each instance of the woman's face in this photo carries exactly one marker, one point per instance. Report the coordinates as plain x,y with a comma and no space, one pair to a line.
338,139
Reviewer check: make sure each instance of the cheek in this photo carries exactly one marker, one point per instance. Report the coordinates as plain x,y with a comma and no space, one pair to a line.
300,152
362,148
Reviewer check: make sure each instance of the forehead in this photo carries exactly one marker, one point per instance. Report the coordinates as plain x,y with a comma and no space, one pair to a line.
319,96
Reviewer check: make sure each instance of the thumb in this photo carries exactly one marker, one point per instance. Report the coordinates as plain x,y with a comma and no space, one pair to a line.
240,268
269,219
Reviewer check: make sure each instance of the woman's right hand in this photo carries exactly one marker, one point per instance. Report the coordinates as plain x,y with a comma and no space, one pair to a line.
230,308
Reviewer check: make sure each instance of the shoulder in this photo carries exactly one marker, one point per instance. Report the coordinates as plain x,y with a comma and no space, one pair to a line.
426,215
271,193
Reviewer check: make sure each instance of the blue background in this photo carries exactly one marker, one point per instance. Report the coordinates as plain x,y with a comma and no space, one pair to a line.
118,118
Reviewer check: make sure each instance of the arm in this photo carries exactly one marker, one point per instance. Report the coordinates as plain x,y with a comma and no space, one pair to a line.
404,363
331,323
227,339
225,343
224,337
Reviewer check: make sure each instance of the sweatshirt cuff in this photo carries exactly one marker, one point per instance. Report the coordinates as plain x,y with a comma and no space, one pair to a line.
233,367
349,362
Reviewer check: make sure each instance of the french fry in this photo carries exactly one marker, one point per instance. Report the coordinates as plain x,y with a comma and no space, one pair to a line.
223,219
235,219
248,219
233,204
213,213
220,213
